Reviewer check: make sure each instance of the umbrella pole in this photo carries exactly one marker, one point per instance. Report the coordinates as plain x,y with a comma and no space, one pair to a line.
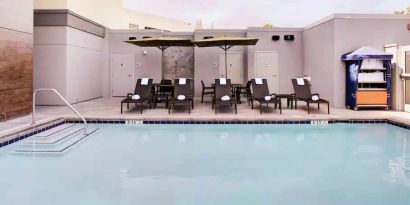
226,62
162,63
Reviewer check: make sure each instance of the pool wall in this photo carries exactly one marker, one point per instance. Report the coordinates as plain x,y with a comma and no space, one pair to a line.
15,137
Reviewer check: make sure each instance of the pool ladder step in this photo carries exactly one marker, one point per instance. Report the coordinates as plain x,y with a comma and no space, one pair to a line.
56,140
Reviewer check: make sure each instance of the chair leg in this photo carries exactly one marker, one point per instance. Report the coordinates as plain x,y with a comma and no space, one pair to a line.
121,108
215,109
169,109
128,106
202,98
280,108
318,106
328,109
260,107
141,108
308,108
236,109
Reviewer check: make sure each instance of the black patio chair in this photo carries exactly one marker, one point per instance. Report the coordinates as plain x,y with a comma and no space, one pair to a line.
144,92
182,90
221,91
303,93
206,91
260,93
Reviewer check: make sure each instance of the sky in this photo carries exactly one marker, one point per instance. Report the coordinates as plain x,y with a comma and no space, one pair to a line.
241,14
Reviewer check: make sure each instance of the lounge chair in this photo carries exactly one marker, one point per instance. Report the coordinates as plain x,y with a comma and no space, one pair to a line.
260,93
183,95
142,93
223,95
303,93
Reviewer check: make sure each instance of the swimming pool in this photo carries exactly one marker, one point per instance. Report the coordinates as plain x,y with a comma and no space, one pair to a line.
215,164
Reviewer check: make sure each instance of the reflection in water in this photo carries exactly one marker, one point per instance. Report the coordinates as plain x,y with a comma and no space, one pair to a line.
145,138
223,138
181,138
400,167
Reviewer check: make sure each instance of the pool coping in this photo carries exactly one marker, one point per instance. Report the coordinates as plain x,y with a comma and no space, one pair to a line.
16,136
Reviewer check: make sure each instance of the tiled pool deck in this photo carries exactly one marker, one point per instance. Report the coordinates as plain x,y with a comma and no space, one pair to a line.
109,109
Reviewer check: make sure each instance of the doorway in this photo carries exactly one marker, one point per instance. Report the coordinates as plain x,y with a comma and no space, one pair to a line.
122,74
266,66
235,67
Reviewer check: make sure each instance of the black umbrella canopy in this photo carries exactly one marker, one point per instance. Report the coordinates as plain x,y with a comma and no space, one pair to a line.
162,43
226,43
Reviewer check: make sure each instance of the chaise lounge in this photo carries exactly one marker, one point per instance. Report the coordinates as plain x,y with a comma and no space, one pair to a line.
303,93
183,94
223,94
260,93
142,93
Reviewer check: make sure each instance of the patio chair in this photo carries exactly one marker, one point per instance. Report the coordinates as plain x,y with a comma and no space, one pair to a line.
244,91
260,93
206,91
303,93
223,96
183,95
142,93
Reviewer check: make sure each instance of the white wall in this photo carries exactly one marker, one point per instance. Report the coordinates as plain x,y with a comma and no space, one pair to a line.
50,62
84,62
319,59
70,61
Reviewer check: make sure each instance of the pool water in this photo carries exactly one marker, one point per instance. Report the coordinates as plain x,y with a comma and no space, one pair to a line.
353,164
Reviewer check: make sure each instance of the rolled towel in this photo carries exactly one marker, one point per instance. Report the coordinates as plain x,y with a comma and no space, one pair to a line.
315,97
144,81
182,81
300,81
258,81
222,81
225,98
181,97
136,97
267,98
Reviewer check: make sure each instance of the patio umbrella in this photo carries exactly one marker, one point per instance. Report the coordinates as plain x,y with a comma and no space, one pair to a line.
162,43
226,43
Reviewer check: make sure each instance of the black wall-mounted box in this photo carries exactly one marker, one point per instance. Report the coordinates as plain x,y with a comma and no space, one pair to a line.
289,37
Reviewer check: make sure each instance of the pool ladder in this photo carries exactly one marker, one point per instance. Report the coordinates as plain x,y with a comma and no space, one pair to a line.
33,121
58,139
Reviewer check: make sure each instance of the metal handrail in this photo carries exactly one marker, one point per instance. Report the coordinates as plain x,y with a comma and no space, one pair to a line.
33,122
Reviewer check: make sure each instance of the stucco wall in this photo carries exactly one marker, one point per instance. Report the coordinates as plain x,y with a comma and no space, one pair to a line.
319,59
50,62
16,47
290,54
68,60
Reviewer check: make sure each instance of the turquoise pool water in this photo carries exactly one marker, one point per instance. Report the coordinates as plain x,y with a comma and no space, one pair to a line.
351,164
